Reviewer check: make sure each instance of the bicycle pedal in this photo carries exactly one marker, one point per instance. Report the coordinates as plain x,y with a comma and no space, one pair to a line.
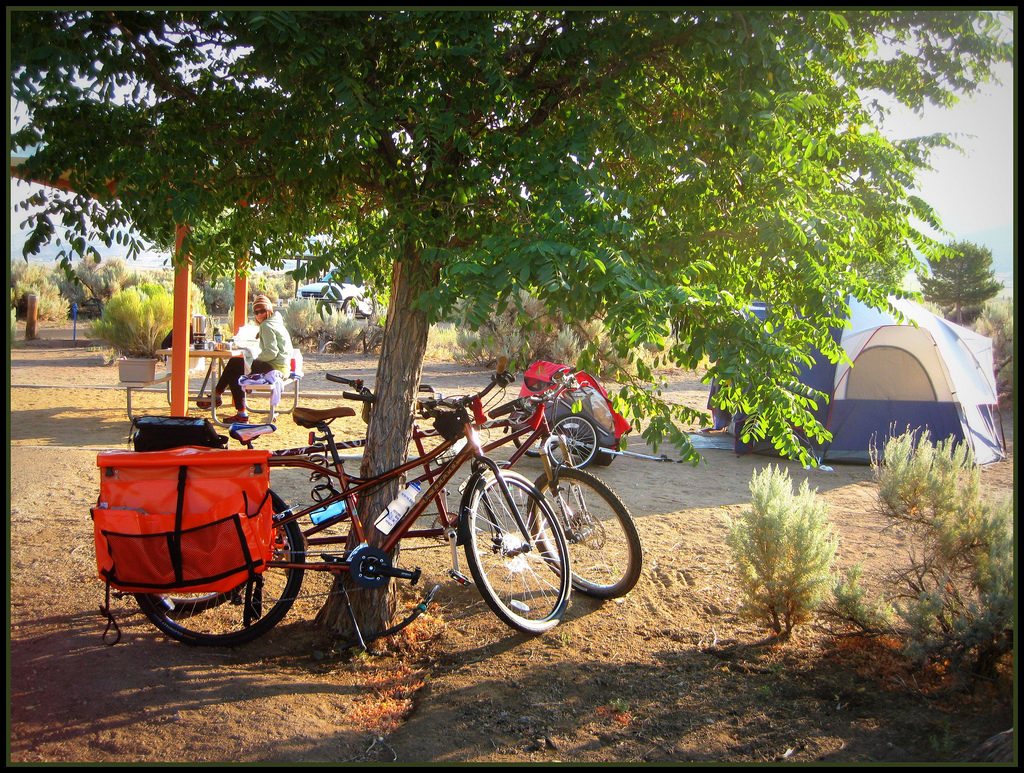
459,577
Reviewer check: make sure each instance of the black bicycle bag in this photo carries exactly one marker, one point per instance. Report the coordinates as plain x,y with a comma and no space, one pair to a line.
159,433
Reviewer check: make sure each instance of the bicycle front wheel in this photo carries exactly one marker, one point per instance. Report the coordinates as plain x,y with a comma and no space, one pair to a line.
237,616
523,577
604,545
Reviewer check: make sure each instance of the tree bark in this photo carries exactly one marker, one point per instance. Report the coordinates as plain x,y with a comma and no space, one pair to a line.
387,443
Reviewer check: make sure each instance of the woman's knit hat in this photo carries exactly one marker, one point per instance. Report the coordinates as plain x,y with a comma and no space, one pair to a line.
262,302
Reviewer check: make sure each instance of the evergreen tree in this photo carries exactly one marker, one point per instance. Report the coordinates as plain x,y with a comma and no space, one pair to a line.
961,281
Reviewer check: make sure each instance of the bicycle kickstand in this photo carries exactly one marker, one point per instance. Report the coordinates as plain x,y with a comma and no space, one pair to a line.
352,617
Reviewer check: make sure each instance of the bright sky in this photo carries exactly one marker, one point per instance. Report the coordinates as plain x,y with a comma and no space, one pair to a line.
972,191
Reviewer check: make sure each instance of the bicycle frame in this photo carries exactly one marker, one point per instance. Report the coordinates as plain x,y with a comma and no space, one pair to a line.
515,546
352,487
525,430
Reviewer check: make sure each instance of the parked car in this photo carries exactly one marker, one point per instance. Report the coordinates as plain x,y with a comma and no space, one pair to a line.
351,299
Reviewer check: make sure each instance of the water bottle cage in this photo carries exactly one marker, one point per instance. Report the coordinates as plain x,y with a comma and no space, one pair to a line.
322,492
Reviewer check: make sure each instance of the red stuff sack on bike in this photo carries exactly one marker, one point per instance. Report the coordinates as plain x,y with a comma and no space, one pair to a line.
188,519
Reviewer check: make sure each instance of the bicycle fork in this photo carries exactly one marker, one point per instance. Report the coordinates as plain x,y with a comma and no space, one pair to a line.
547,456
570,506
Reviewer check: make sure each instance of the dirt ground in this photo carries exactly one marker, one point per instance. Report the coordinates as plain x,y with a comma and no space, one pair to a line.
669,673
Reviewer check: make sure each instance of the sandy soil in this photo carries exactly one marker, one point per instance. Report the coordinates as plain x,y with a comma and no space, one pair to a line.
669,673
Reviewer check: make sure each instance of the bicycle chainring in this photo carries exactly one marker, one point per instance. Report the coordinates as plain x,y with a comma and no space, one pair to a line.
366,564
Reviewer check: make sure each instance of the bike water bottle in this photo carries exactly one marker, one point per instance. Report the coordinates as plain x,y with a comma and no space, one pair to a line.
326,513
398,508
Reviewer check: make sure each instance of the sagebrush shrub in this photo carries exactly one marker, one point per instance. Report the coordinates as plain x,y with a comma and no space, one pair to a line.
220,295
34,279
996,322
955,598
99,280
312,326
535,334
783,549
135,321
501,336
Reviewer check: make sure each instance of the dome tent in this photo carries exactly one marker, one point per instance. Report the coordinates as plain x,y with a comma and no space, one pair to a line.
919,373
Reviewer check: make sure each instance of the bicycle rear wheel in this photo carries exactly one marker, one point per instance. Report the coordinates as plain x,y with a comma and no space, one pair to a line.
240,615
524,578
604,545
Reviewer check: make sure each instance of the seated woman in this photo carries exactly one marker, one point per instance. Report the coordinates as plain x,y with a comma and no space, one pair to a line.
275,351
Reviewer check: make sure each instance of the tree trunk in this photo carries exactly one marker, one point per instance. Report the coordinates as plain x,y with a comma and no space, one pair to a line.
387,443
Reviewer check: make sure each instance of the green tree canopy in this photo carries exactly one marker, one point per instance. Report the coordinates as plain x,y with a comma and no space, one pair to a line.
634,166
961,280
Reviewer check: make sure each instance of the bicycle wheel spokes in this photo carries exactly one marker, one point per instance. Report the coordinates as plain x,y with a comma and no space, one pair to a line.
522,577
580,438
241,615
604,545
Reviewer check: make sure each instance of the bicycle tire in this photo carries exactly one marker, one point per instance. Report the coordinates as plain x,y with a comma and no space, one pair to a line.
226,619
604,546
580,437
529,591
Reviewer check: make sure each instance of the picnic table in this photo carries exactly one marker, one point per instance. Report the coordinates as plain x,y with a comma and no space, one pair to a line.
218,358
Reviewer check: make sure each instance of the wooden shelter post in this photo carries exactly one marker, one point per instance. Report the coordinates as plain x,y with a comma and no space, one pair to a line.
241,300
182,323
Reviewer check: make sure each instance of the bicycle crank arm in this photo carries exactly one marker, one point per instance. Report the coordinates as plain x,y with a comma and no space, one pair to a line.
403,574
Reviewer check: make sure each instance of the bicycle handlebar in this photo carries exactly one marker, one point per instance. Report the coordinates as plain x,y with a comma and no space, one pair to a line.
364,394
502,377
364,397
356,383
505,409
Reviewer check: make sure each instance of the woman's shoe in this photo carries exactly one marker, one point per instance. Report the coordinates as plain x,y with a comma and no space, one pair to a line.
238,418
205,402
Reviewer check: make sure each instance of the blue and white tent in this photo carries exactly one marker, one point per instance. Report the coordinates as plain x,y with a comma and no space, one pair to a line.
923,372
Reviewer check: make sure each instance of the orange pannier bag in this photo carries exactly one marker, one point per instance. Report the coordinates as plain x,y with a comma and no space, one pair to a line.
187,519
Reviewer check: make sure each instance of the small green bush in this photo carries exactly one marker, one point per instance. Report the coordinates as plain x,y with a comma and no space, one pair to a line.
850,606
34,279
783,549
534,334
956,599
996,322
135,321
313,328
